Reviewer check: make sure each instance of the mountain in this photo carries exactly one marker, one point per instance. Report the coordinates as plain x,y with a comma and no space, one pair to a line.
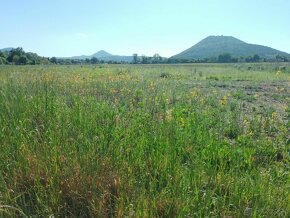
105,56
213,46
102,54
5,49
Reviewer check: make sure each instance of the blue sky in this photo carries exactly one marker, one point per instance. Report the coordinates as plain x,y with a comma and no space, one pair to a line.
67,28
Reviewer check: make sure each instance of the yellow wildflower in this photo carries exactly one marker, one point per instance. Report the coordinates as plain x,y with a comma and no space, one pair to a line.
193,94
167,100
274,115
245,121
182,122
168,115
223,100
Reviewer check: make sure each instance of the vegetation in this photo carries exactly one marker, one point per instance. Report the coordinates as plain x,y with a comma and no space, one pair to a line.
19,57
145,141
213,49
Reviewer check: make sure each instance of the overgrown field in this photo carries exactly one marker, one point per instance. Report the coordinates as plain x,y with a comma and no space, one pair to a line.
145,141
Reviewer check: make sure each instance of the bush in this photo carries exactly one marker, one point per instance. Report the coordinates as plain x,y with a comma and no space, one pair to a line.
282,68
165,75
3,60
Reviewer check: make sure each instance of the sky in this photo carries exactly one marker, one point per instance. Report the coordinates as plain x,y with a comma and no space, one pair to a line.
65,28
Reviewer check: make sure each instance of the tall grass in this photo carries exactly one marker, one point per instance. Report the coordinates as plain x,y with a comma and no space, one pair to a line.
115,141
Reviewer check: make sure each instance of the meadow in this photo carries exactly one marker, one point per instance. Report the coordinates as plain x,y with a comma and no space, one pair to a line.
196,140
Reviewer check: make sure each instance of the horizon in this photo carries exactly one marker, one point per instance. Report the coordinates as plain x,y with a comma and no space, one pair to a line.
67,29
109,53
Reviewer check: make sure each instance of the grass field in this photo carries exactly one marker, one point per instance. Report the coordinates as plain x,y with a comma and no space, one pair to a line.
200,140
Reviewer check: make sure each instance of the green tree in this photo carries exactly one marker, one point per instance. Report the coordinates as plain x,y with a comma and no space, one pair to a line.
144,59
87,60
225,58
135,58
22,60
2,60
15,54
94,60
256,58
157,58
53,60
281,58
15,59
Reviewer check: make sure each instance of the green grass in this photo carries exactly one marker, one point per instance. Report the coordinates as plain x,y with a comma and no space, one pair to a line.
145,141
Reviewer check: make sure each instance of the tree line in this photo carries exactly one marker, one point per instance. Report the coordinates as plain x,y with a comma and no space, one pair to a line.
18,56
222,58
227,58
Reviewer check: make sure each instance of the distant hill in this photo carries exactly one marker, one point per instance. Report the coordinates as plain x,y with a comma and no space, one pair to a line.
212,46
6,49
104,56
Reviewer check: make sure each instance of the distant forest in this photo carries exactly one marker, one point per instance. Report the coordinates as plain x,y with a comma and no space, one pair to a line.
18,56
